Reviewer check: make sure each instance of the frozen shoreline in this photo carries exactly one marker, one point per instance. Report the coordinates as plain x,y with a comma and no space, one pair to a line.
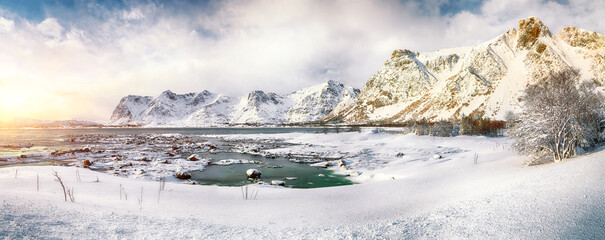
154,154
409,196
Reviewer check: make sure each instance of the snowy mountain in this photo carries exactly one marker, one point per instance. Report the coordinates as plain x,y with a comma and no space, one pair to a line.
260,107
211,109
167,108
305,105
172,108
485,79
130,110
217,111
313,103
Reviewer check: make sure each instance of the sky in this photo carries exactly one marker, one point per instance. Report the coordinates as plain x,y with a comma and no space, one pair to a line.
75,59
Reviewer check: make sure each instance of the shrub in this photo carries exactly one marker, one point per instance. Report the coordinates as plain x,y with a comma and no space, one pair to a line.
559,115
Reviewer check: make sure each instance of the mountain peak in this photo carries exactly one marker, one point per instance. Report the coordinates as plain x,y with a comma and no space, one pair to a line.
255,93
401,52
577,37
168,93
332,84
530,29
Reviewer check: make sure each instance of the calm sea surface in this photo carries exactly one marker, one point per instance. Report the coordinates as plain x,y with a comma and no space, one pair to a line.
47,140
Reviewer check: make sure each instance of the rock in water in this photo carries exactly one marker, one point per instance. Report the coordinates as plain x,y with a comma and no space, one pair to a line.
253,173
278,183
181,174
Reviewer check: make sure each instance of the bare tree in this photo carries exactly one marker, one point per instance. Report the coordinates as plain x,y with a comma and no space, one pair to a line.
67,192
559,115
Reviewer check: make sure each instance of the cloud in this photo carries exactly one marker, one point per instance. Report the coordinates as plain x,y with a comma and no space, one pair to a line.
6,25
132,14
89,55
50,27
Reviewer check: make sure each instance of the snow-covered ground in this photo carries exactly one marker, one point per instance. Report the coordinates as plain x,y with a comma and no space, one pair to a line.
410,187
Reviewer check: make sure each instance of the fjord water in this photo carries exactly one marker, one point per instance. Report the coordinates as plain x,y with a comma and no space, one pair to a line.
48,140
272,169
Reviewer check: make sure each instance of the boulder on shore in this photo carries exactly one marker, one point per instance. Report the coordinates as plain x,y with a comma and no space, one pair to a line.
86,163
193,157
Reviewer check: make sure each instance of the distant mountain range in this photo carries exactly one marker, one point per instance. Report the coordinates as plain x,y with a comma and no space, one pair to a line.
487,79
213,109
34,123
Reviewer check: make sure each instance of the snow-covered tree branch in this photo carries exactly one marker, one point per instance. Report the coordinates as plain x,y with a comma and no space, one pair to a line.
559,115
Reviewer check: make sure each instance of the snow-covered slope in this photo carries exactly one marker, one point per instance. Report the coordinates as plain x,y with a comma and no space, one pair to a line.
305,105
414,196
171,107
211,109
260,107
130,110
314,103
218,111
485,79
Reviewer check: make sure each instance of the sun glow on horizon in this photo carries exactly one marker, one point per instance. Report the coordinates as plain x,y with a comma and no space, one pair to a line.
18,103
12,104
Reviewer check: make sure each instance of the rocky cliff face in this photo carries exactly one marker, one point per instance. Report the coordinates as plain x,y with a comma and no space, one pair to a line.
211,109
486,79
